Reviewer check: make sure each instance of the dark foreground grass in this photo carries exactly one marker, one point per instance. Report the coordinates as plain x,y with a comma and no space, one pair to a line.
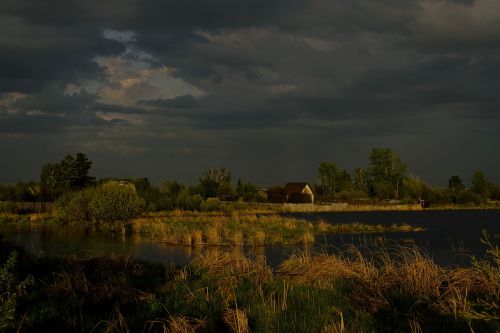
394,290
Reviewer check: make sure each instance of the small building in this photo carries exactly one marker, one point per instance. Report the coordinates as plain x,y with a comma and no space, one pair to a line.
298,193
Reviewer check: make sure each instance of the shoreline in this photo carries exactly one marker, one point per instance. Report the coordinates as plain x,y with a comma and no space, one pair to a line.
308,208
221,290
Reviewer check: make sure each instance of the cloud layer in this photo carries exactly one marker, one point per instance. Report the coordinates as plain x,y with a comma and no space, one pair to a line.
266,88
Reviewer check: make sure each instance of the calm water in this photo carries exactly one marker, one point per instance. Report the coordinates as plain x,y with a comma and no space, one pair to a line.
451,237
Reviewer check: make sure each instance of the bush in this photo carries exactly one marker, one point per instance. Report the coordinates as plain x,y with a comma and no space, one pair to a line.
10,289
187,201
115,203
74,206
7,207
106,203
346,195
436,196
469,197
165,202
211,205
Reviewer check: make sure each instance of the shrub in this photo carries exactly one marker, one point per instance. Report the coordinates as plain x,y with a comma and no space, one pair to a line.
469,197
10,289
115,203
187,201
106,203
346,195
165,202
74,206
7,207
211,205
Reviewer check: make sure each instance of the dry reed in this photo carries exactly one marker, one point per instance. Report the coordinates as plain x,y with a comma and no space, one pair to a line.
212,236
197,237
236,320
407,269
187,240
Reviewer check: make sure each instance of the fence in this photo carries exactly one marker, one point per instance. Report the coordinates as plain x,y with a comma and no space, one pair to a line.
333,207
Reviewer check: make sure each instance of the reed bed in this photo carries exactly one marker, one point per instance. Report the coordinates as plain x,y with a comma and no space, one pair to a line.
12,218
394,289
406,275
245,229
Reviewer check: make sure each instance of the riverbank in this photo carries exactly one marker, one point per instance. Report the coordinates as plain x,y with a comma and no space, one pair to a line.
35,218
394,290
344,207
20,210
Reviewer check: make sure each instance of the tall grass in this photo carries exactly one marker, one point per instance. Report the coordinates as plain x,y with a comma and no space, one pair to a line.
13,218
406,283
245,229
397,289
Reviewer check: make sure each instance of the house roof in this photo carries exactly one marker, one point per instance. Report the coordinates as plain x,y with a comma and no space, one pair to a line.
294,188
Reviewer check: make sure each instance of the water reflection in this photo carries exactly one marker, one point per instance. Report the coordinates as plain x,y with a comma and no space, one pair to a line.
451,238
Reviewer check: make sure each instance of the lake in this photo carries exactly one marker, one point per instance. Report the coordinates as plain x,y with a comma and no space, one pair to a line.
451,237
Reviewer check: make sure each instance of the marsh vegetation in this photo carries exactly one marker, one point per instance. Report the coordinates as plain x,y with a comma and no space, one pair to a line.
246,229
396,289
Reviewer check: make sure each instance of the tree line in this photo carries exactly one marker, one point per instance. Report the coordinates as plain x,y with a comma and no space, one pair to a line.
384,179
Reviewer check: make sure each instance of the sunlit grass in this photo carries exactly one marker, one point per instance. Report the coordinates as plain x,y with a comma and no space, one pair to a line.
246,229
12,218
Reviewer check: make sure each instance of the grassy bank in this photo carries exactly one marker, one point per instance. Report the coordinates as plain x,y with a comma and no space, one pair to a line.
464,207
245,229
393,290
40,218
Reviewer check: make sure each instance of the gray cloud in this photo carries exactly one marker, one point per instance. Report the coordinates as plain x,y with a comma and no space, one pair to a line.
250,84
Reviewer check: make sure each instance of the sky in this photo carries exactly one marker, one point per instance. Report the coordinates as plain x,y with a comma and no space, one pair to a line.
266,88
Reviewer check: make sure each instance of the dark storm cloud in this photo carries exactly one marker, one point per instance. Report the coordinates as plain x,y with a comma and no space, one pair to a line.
152,14
33,55
179,102
193,81
48,124
50,100
50,111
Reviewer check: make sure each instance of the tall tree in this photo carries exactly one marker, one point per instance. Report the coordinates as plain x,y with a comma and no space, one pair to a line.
345,181
214,180
81,168
328,176
360,180
480,185
455,183
413,188
67,174
67,166
386,171
51,180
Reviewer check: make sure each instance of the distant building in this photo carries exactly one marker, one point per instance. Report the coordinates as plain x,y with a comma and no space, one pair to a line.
298,193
